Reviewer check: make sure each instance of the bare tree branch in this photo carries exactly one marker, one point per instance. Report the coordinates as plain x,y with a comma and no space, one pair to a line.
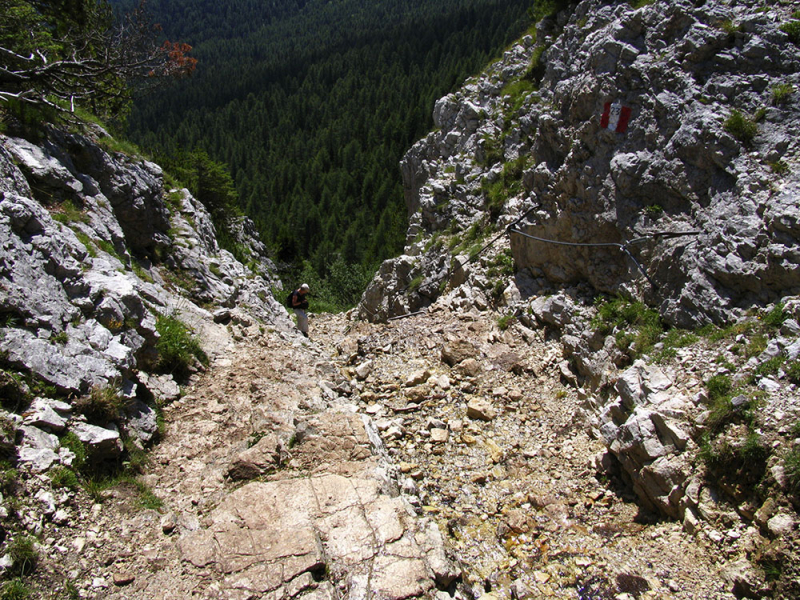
96,65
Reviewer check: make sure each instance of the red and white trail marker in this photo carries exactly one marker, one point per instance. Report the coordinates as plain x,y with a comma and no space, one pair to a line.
615,117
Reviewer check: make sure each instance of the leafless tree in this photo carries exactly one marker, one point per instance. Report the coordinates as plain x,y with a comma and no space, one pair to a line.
94,66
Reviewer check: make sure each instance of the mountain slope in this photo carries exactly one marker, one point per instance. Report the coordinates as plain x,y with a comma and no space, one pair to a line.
313,108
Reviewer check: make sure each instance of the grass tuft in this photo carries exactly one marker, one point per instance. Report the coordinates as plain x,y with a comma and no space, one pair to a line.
177,347
741,127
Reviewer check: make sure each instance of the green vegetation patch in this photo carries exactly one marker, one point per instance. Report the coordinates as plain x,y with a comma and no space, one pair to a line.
782,93
103,404
509,184
674,339
415,283
69,213
24,555
741,127
15,589
177,347
637,326
71,442
739,466
505,322
792,29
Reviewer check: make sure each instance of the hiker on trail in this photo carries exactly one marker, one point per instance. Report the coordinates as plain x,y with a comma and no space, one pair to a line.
299,303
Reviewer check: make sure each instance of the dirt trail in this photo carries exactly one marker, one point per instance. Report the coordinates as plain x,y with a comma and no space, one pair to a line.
272,488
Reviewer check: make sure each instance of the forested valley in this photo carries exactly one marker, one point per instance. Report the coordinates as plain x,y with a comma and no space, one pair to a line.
309,105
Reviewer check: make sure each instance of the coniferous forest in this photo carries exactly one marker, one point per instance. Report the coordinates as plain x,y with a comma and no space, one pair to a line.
311,104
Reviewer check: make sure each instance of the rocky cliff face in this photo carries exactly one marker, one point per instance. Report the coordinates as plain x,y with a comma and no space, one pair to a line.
94,252
708,93
651,154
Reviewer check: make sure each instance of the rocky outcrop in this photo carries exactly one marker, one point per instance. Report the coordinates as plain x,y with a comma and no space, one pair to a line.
709,91
689,205
93,251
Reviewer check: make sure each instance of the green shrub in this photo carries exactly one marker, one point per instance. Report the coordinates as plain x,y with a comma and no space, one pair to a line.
775,317
492,151
23,554
63,477
718,386
177,347
102,404
680,338
546,8
625,316
753,450
509,184
735,466
15,590
792,29
140,271
675,338
769,366
741,127
731,27
108,248
87,242
505,322
537,67
717,334
518,91
791,467
502,264
779,167
413,286
9,479
756,345
782,93
793,372
653,211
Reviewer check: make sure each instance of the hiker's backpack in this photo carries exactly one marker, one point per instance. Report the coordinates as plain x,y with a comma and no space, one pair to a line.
289,299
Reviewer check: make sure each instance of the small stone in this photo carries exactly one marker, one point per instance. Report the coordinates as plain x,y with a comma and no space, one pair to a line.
715,536
439,436
417,378
364,369
470,367
222,315
690,521
48,500
443,382
477,408
99,583
123,579
495,451
169,522
766,512
541,576
394,433
781,525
